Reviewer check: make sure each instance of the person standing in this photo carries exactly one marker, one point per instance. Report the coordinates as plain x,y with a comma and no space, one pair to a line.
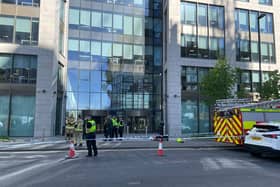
121,127
78,133
106,128
69,128
91,137
115,127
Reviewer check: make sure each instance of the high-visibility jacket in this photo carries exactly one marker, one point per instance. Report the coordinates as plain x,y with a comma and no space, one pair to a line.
120,124
91,127
115,123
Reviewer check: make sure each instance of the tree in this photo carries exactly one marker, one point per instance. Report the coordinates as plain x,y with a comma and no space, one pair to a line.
218,83
271,88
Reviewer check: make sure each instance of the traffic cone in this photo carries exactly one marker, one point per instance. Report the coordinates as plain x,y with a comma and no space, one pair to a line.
71,152
160,148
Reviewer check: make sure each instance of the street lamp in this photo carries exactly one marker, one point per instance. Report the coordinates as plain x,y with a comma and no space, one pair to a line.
259,46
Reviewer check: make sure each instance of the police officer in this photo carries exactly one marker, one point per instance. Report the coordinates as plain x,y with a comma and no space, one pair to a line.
69,128
121,127
78,133
115,127
91,137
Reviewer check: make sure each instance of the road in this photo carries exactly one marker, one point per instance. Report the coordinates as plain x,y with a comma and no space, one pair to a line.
211,167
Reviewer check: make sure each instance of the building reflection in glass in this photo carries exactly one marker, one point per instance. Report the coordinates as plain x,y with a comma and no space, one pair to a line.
115,61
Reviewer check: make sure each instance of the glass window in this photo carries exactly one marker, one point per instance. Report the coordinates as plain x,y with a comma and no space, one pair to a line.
35,31
127,54
127,25
4,113
189,13
265,2
118,22
74,15
189,46
202,47
96,20
23,30
243,20
157,56
264,52
95,48
254,21
254,51
9,1
204,125
107,20
72,101
106,49
139,3
22,118
6,29
266,23
216,17
84,46
189,116
20,68
117,50
73,45
5,68
202,15
72,80
95,81
84,19
84,50
243,50
138,26
83,103
271,53
105,101
84,81
138,50
95,101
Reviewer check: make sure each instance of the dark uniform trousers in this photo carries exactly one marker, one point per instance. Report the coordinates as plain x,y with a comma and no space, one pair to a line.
91,144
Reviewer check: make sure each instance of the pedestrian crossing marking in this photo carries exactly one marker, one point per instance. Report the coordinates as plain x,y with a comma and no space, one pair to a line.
226,163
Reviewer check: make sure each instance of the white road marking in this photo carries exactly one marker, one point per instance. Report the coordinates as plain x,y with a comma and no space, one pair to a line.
10,175
209,164
229,163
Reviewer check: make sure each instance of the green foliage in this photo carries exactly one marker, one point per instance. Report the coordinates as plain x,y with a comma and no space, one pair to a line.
218,83
271,88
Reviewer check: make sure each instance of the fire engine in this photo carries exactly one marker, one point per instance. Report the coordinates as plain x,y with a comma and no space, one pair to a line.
234,117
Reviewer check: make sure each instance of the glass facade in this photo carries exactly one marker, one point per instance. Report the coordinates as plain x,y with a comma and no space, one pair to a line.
115,61
17,81
195,114
247,50
19,30
200,20
35,3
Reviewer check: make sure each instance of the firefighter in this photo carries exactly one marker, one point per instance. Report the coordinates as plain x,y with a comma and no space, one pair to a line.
121,127
115,127
91,137
78,134
69,128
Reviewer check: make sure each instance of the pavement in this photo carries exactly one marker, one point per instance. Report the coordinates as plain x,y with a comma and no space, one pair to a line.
140,142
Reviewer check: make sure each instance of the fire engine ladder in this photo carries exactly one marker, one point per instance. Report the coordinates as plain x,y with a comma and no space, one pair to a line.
229,104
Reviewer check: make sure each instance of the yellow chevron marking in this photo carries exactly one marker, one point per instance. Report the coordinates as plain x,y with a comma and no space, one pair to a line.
238,121
237,127
231,127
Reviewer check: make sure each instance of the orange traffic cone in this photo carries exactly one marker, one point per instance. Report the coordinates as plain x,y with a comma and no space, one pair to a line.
160,148
72,152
